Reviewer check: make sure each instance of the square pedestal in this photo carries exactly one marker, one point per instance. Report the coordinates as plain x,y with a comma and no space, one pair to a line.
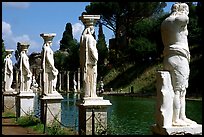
177,130
9,102
51,108
26,103
93,116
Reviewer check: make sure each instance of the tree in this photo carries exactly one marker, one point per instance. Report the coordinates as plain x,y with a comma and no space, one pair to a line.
117,15
67,56
102,50
3,52
67,40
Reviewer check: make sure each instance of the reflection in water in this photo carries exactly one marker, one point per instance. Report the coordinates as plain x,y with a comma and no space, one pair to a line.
127,115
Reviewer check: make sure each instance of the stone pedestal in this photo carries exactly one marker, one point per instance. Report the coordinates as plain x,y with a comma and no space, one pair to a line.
177,130
26,103
165,94
93,116
9,101
51,108
164,110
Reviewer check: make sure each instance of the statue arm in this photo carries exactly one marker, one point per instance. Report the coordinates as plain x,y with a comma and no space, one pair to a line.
49,59
26,65
93,49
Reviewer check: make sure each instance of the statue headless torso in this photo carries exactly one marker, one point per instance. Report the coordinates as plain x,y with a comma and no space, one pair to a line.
176,58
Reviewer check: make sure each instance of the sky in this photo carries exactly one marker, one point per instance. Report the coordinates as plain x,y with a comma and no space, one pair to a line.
25,21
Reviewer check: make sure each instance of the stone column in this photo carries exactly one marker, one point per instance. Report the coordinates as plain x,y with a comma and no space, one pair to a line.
17,73
78,85
67,81
60,81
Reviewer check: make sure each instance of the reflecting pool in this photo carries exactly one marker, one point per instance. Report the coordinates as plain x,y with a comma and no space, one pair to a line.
127,115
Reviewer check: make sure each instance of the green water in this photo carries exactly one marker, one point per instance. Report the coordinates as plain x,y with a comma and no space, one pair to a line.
134,116
127,115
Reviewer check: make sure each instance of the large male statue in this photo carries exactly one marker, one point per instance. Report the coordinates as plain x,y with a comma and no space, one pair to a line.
176,58
26,75
88,59
8,72
50,72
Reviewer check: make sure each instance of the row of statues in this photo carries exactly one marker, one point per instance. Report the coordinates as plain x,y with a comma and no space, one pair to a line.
176,60
26,77
88,62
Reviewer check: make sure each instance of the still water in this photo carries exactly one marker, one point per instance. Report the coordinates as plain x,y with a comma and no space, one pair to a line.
127,115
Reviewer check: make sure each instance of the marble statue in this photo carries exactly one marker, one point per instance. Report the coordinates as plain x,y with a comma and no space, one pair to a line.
34,82
8,72
88,57
26,74
50,72
176,59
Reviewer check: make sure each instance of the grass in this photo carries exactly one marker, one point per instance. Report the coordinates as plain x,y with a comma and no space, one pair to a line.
142,78
30,121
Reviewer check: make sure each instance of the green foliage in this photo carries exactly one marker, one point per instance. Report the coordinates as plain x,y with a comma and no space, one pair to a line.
116,14
28,120
3,52
67,58
56,129
67,39
102,51
194,30
141,48
8,114
60,58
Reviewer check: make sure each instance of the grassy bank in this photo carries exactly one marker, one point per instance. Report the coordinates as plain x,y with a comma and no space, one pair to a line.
141,76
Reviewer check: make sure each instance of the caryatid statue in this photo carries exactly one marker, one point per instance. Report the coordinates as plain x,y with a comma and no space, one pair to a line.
8,70
26,74
49,71
89,55
176,59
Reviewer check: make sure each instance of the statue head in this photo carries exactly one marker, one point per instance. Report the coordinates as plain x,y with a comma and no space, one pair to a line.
23,46
89,20
48,37
9,52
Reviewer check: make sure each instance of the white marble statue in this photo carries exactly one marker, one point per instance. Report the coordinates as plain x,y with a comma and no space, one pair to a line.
88,58
176,59
50,72
8,72
26,74
34,82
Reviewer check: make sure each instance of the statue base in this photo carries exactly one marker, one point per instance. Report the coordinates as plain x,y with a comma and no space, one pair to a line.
51,108
53,95
195,129
93,116
9,101
25,103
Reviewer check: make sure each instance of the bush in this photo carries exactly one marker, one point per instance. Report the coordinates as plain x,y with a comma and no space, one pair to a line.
28,120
